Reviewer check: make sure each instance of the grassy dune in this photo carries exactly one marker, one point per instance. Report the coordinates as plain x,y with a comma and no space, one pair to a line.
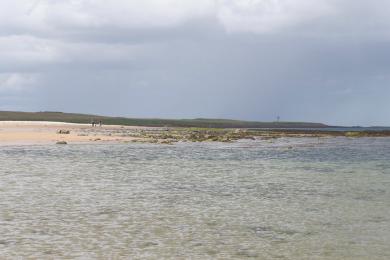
200,122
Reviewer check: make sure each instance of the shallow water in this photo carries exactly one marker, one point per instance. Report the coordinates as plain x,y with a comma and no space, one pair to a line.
286,199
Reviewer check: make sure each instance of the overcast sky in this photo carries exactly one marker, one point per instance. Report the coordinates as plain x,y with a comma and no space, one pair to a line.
304,60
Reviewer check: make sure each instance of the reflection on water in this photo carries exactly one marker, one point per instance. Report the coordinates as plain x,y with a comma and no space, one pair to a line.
286,199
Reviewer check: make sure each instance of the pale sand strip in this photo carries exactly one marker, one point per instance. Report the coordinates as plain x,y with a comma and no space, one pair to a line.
26,132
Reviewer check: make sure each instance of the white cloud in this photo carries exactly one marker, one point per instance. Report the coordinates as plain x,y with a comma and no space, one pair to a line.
263,16
57,14
15,82
55,17
62,31
27,50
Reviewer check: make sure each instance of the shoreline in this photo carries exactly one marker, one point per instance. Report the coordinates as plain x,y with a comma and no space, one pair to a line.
43,132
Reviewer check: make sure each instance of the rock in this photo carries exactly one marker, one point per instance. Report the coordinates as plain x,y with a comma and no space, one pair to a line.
63,132
355,134
153,141
165,142
225,139
239,131
61,142
215,139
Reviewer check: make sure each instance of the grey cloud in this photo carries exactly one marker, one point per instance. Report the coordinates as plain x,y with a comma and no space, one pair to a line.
331,67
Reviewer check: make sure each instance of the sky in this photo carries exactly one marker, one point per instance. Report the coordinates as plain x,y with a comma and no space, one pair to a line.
303,60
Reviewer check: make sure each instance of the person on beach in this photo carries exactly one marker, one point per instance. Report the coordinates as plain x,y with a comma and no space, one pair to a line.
100,123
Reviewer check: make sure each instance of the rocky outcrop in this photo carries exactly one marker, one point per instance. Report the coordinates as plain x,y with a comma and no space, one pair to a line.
63,132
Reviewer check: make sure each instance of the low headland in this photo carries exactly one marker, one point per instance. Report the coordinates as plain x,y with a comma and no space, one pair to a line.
150,122
64,128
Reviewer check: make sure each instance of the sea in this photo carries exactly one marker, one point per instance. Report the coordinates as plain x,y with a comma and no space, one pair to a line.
289,198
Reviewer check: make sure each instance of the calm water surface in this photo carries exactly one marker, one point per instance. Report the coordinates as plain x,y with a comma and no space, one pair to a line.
287,199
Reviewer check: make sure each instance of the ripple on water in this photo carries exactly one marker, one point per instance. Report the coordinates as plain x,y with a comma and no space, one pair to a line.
201,201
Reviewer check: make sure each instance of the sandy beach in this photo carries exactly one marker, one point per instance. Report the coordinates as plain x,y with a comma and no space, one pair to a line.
25,132
42,132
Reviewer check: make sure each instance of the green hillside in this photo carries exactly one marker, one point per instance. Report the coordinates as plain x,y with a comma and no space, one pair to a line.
199,122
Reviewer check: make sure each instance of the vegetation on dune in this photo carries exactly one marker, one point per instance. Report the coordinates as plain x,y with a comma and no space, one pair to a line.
196,123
